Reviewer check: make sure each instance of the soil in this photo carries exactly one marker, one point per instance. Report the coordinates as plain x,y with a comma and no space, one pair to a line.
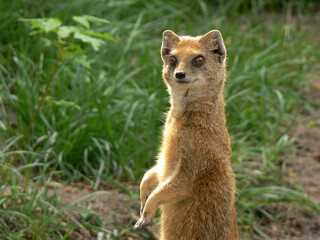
117,210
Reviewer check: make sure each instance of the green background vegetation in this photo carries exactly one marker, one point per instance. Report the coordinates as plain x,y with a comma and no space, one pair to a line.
104,123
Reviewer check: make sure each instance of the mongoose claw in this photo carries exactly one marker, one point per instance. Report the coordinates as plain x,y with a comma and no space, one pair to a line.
143,204
141,209
140,224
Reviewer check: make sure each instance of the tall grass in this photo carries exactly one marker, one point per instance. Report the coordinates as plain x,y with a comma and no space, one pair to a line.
104,123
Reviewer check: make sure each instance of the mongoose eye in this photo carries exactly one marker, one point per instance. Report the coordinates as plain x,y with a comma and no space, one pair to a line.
198,61
173,60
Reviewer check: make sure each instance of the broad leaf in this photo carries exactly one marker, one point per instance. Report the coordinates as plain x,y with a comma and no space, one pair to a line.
66,31
95,19
51,24
43,24
82,60
46,42
99,35
95,42
82,20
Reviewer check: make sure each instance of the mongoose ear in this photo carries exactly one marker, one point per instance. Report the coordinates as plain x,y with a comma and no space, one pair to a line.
169,40
214,42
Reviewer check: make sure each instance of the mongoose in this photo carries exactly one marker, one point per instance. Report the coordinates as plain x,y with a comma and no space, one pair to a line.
193,180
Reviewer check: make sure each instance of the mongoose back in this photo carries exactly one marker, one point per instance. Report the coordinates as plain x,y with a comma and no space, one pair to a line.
193,180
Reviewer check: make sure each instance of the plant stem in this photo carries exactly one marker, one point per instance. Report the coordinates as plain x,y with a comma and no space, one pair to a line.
35,114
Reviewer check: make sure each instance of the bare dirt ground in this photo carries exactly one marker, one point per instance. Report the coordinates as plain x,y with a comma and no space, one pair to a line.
117,210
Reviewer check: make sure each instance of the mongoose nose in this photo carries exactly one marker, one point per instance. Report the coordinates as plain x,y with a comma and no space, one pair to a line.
180,75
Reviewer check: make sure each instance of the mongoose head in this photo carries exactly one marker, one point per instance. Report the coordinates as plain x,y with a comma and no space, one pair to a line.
194,63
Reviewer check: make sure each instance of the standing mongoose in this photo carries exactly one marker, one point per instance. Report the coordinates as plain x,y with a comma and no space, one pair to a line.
193,180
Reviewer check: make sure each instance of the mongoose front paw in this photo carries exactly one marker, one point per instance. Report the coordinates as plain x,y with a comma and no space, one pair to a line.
143,221
143,203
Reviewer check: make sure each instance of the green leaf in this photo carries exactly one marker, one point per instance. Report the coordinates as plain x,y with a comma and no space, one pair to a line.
35,22
95,19
85,20
2,126
99,35
43,24
37,32
66,31
82,20
46,42
95,42
50,100
82,60
72,49
67,103
51,24
72,52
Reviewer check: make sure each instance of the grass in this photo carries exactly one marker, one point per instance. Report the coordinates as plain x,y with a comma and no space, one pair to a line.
104,124
30,211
